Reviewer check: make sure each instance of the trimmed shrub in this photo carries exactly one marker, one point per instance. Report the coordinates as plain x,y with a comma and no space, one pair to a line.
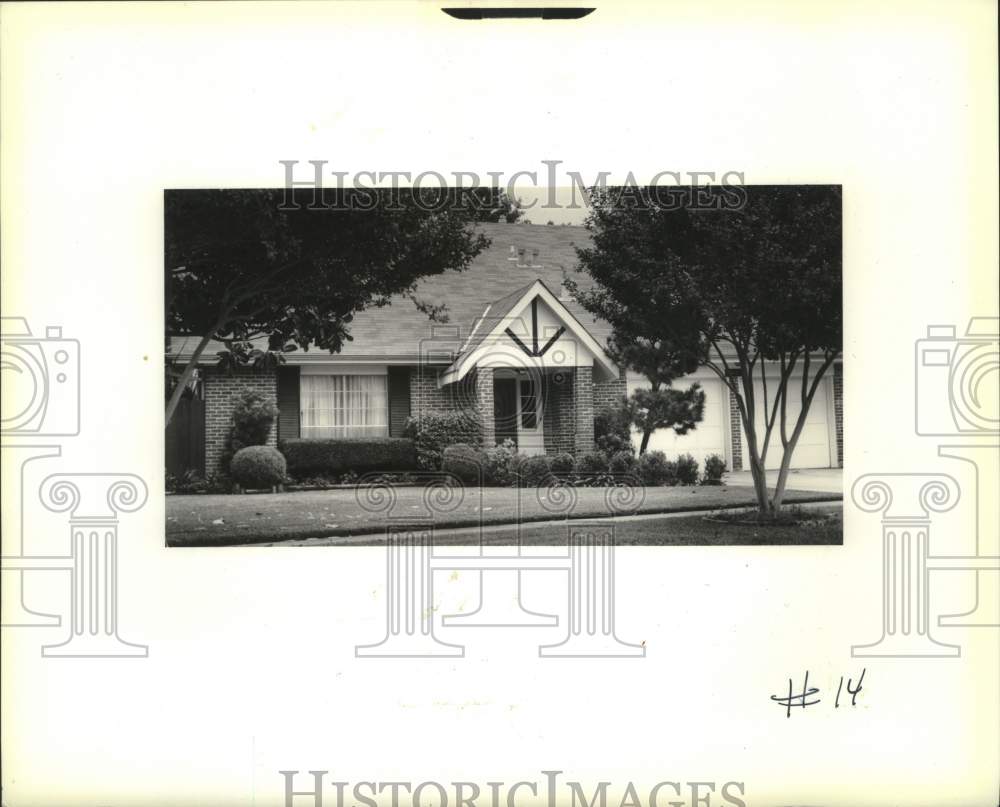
671,473
562,463
193,482
535,471
467,463
307,457
715,467
653,469
252,419
432,431
501,463
258,467
592,462
687,470
621,462
612,429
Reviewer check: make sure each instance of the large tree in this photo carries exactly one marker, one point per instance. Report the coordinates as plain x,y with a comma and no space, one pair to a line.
244,265
748,291
643,341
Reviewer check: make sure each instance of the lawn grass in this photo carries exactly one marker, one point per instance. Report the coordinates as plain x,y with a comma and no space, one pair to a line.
667,530
264,518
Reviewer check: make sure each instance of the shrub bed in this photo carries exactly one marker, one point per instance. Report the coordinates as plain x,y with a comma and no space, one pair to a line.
653,469
621,462
308,457
466,463
562,463
715,467
687,470
592,462
535,471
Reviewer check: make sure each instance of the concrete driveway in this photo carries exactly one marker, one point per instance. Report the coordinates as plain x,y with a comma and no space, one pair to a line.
828,480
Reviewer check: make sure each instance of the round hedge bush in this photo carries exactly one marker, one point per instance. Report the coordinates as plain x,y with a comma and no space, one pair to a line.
466,463
593,462
687,470
653,468
621,462
258,467
562,463
535,471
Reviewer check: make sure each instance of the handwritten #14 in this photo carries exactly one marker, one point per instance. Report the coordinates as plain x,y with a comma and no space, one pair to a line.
808,695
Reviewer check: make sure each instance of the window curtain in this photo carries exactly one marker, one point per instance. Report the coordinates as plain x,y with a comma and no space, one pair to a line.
344,406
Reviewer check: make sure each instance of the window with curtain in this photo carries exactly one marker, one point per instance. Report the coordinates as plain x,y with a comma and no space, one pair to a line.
344,406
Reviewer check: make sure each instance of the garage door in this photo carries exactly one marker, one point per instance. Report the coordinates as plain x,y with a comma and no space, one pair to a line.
710,435
813,448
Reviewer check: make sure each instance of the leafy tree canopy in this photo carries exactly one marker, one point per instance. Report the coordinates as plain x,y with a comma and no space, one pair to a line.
725,286
241,264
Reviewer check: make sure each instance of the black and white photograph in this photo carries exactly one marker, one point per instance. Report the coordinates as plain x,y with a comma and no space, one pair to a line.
680,345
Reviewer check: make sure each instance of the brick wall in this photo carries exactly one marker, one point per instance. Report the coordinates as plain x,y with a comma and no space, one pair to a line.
221,391
558,414
610,393
734,430
838,410
484,403
426,396
583,405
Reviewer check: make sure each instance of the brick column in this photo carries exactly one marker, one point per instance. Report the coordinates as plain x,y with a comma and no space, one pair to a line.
735,424
583,407
484,404
221,391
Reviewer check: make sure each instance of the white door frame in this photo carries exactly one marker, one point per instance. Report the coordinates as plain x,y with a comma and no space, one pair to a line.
529,441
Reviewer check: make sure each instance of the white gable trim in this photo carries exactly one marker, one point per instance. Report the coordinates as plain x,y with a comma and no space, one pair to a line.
461,367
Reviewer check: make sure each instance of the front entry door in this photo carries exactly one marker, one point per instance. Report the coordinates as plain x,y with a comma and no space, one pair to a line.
530,439
517,412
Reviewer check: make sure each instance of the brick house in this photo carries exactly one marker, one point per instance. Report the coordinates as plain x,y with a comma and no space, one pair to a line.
516,349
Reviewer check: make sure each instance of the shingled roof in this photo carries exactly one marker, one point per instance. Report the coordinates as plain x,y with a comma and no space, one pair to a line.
499,274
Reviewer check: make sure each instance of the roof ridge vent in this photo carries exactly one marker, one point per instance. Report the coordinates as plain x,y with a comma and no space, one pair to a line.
523,259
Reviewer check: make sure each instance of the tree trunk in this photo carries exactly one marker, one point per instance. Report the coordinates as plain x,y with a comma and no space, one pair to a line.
757,469
192,365
645,440
759,475
786,457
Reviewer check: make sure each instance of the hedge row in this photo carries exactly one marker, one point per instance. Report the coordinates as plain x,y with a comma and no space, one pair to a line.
309,456
432,432
505,466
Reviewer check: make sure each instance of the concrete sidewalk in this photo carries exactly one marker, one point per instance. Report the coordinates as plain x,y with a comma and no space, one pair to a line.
828,480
